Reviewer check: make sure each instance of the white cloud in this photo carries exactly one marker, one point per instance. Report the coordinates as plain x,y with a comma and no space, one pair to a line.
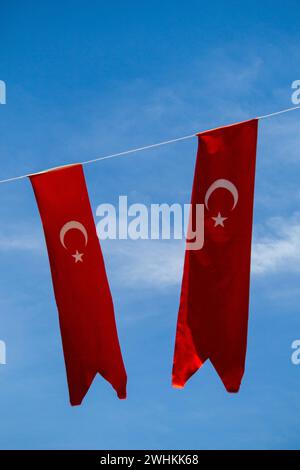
159,264
23,240
151,263
277,249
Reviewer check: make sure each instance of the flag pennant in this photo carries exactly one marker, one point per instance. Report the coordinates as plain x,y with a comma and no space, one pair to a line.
85,307
213,314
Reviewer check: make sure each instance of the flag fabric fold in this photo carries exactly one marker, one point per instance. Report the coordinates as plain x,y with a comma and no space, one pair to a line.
85,306
213,314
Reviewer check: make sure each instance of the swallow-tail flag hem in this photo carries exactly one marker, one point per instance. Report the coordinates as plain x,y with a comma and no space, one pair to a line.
213,314
82,293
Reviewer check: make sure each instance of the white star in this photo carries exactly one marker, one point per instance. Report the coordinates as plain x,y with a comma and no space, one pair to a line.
78,257
219,220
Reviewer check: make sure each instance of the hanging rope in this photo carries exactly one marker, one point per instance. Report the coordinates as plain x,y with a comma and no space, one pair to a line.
139,149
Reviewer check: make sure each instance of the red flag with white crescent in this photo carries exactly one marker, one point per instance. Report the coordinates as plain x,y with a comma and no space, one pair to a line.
213,313
86,313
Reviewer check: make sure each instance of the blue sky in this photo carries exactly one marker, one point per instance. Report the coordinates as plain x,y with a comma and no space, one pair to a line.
89,78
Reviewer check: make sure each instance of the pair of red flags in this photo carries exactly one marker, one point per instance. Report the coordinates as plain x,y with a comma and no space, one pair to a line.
213,314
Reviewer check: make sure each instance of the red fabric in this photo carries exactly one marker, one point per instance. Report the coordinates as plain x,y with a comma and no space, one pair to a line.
86,313
213,312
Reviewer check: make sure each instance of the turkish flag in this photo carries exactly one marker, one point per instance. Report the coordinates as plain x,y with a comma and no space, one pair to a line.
86,313
213,313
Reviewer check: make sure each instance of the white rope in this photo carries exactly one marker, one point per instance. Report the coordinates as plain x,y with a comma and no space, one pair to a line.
106,157
279,112
127,152
121,154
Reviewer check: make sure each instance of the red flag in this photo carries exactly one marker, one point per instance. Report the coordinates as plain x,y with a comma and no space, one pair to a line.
213,313
86,313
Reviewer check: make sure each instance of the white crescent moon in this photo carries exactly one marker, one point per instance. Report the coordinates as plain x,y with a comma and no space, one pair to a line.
73,224
222,183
